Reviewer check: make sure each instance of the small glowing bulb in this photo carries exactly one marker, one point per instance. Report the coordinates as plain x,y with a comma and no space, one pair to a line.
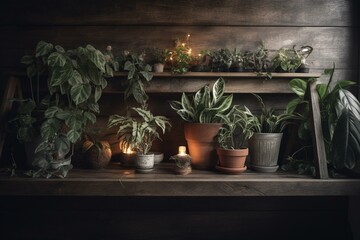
188,35
183,44
199,54
182,150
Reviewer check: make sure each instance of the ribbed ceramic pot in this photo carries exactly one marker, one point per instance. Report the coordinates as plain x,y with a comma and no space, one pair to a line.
201,141
264,151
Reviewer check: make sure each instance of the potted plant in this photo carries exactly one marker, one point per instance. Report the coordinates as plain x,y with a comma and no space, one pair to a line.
202,113
159,58
199,63
237,64
180,57
262,62
340,120
265,143
248,61
220,60
287,60
75,83
304,52
139,134
233,136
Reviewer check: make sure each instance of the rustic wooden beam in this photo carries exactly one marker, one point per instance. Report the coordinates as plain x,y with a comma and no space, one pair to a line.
163,182
317,133
12,89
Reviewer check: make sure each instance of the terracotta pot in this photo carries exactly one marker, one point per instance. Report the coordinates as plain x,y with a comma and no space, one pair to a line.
264,151
201,141
232,158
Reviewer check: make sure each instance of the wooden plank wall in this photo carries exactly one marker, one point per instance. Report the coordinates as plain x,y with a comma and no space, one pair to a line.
329,26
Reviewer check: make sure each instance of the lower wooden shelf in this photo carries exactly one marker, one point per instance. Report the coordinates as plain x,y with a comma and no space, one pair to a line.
162,182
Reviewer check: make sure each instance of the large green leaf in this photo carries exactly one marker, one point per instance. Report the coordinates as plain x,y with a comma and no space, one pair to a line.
349,101
96,57
90,116
73,135
51,111
62,145
61,75
75,78
322,90
176,105
186,104
218,89
345,145
225,104
147,75
98,92
43,48
186,115
49,128
298,86
56,59
80,93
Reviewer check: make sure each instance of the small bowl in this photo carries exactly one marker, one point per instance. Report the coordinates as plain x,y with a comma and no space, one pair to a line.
158,157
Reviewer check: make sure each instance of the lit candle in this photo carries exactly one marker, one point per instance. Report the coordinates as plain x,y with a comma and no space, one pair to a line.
182,162
182,151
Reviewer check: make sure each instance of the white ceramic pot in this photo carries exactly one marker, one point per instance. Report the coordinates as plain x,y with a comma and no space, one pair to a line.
158,67
144,162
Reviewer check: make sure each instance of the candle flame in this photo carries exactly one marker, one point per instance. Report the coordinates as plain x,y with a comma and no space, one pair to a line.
182,150
128,151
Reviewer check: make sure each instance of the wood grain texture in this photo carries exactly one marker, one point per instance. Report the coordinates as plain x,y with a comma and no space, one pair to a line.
331,44
162,182
173,12
179,84
317,133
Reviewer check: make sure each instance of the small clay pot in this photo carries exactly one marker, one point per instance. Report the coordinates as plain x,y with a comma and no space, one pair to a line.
158,67
182,171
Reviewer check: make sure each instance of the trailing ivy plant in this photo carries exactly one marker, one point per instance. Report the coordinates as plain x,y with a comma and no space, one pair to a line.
205,106
75,83
138,73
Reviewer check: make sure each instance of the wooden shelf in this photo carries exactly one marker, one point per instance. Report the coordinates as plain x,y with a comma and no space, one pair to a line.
244,82
162,182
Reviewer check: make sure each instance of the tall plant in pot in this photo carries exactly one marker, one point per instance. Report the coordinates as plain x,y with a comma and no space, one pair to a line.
75,83
265,143
233,136
203,115
139,134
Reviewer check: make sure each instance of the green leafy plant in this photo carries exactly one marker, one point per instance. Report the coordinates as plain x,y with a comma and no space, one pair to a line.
111,64
160,55
287,60
205,106
138,73
221,60
180,57
268,121
340,117
139,134
237,128
75,84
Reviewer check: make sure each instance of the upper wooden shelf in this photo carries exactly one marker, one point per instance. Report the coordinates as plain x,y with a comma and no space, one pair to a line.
228,74
162,182
244,82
